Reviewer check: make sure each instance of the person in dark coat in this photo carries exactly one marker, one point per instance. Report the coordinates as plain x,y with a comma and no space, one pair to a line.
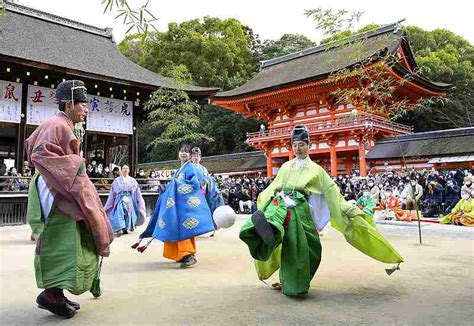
451,195
433,197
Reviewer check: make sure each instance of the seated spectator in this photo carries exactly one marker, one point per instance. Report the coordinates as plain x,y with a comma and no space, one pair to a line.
468,186
374,190
225,195
463,212
140,177
349,194
451,196
104,174
93,171
153,182
26,172
15,183
366,203
458,176
402,193
433,198
107,174
89,170
98,158
414,193
389,208
99,172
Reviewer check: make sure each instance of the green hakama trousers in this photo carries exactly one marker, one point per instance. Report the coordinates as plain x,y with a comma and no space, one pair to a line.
297,249
65,255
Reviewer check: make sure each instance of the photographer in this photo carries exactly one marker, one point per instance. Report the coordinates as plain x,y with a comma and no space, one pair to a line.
245,202
234,196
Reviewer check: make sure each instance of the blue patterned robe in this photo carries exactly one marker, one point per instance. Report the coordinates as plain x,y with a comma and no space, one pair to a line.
125,206
182,211
208,183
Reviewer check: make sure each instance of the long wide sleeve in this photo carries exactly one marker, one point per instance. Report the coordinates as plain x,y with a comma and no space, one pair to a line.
109,204
54,150
356,226
140,204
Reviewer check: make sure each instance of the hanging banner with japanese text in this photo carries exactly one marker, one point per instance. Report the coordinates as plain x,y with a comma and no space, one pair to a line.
41,104
10,102
165,175
110,115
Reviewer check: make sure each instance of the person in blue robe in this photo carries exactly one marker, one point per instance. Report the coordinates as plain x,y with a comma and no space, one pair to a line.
125,206
181,213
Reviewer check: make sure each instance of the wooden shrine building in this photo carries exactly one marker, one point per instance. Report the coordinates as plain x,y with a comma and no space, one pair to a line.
297,89
38,50
442,149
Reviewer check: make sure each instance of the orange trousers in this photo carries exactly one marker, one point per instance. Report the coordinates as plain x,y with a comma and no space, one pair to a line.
177,250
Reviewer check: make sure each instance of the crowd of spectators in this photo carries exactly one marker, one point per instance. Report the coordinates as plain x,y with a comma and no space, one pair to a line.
435,193
241,192
12,180
102,177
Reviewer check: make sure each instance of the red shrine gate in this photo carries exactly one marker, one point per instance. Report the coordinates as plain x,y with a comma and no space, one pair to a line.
295,89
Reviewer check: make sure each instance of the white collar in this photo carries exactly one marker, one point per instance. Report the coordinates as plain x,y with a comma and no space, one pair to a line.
300,163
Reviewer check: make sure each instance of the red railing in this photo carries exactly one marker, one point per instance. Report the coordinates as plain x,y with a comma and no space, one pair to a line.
366,121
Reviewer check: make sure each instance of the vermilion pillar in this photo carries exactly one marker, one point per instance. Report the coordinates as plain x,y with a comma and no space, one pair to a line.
269,164
362,163
332,152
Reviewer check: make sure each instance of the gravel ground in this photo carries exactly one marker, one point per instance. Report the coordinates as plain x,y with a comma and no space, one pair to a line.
433,287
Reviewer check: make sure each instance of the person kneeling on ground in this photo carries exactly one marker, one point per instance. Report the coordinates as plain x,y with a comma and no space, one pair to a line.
463,212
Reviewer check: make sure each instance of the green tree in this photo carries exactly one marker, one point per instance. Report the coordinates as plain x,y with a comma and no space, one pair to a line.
207,51
132,47
443,56
287,44
214,51
228,130
173,119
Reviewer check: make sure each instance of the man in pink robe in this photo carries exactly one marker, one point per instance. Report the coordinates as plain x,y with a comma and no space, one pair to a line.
63,187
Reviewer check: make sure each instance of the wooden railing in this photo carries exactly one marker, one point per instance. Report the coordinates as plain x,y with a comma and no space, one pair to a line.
366,121
14,200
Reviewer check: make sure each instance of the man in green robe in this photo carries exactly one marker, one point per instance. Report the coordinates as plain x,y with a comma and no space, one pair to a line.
283,232
64,210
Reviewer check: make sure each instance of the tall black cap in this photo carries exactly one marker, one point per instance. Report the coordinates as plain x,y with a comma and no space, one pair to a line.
70,90
300,133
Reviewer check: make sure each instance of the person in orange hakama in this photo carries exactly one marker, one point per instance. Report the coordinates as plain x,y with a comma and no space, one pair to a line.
182,213
177,251
390,207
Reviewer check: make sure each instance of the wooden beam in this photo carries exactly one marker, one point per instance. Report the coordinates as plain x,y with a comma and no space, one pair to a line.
21,134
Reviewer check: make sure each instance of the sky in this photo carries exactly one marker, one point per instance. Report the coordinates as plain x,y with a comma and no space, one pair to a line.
272,19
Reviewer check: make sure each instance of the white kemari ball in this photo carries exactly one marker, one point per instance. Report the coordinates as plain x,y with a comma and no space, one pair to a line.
224,217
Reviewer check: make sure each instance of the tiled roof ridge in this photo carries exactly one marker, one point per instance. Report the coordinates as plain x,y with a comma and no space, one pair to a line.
457,132
104,32
210,158
323,47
